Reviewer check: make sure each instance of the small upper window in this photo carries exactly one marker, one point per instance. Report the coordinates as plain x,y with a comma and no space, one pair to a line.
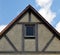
29,30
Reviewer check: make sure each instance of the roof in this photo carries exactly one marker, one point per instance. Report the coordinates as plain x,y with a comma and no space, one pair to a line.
29,7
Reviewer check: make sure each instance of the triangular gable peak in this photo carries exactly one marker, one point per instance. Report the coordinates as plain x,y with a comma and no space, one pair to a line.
29,8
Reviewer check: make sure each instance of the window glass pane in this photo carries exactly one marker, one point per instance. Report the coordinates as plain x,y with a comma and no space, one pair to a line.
30,30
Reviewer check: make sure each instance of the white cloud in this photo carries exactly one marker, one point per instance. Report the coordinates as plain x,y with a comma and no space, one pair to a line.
2,27
47,14
58,27
45,9
43,3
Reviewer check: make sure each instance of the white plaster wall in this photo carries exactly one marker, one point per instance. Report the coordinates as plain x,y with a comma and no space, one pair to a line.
15,35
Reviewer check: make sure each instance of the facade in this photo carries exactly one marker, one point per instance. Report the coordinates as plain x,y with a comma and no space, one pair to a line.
29,34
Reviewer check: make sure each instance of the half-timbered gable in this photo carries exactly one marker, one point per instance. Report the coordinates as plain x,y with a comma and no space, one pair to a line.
29,34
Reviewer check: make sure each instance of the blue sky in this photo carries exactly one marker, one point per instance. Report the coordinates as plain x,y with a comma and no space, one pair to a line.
9,9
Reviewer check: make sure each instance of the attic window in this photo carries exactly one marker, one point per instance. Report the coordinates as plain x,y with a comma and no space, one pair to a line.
29,30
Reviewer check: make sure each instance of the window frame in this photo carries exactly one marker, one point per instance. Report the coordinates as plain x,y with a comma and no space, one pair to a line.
27,36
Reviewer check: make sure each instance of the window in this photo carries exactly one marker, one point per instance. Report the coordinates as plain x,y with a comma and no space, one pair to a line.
29,30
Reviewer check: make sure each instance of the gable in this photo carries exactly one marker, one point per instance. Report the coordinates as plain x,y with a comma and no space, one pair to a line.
37,17
44,40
